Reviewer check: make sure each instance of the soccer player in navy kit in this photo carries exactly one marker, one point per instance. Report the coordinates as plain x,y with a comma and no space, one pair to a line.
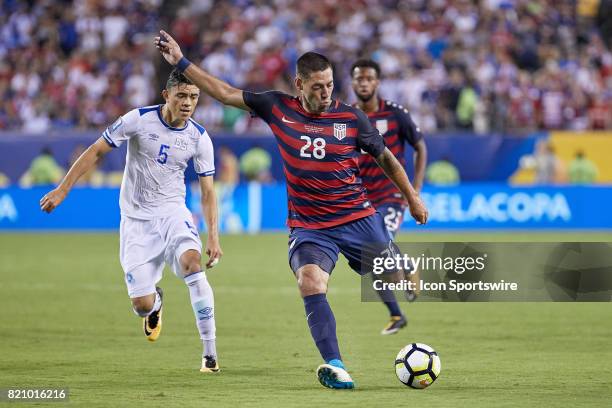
397,128
320,140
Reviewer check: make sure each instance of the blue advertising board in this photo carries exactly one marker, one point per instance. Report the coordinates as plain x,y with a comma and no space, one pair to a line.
84,208
253,207
493,206
498,155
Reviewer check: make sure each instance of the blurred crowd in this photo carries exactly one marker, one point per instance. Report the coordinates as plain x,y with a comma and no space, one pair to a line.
254,165
482,66
66,64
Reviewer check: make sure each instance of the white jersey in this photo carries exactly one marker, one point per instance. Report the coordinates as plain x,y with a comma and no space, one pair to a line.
154,178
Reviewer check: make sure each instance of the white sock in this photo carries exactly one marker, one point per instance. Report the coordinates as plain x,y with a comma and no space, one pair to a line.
210,348
203,303
156,306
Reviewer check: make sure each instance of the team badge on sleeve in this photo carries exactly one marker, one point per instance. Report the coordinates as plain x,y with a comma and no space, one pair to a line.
339,130
116,125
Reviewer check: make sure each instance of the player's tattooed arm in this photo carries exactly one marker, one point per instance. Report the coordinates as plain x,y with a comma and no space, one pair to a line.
394,170
209,84
84,163
209,209
420,162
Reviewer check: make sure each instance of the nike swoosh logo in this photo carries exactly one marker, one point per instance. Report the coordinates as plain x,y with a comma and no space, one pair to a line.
147,332
284,119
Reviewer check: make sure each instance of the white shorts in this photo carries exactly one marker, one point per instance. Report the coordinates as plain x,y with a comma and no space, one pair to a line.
146,245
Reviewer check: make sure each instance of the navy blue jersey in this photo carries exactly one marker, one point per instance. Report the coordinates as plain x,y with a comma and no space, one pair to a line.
396,126
320,155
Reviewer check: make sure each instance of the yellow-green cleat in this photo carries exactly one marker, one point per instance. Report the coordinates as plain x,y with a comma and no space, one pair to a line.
209,365
395,324
152,324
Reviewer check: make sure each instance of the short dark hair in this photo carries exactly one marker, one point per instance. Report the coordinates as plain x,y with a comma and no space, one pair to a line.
312,62
175,78
366,63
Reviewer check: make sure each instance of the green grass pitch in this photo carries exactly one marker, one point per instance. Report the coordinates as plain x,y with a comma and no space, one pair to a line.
66,321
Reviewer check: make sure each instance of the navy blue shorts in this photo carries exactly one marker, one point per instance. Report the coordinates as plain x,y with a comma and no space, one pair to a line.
358,241
393,214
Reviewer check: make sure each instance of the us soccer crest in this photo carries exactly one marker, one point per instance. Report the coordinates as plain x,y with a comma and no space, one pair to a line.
339,130
382,126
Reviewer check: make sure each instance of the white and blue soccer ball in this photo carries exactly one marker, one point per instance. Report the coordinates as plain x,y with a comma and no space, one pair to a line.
417,365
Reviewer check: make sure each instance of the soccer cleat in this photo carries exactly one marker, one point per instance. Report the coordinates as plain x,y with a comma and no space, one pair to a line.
152,324
394,325
411,295
209,365
334,375
415,278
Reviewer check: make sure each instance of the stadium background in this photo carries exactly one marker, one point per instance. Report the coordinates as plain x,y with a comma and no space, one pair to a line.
489,83
508,91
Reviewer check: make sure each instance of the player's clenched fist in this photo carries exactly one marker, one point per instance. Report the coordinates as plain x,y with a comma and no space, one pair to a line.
214,252
418,210
168,47
52,199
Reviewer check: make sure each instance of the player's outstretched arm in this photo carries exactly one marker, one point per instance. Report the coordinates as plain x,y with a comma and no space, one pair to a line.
209,84
394,170
209,209
420,163
83,164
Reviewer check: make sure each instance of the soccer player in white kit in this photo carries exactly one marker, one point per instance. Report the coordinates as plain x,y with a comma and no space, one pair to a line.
156,226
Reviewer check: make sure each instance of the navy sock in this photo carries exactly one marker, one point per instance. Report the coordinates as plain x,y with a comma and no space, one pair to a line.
394,309
322,326
388,298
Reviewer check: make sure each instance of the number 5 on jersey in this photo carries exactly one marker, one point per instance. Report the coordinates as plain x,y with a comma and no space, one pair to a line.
318,147
163,155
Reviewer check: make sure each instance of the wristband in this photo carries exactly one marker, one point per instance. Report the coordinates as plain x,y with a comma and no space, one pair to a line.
183,64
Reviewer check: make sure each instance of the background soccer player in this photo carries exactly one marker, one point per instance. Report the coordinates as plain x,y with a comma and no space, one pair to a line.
320,140
397,128
156,226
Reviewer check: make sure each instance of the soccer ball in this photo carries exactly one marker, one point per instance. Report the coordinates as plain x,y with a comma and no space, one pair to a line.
417,365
